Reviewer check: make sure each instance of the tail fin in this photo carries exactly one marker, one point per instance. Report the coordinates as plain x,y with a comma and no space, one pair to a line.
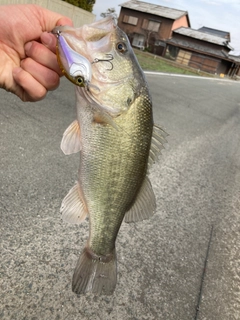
97,274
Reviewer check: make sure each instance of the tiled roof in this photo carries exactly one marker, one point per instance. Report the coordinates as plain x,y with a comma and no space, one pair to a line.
154,9
216,32
201,36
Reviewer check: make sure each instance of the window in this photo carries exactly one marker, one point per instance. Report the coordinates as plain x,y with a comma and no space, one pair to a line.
151,25
130,20
138,41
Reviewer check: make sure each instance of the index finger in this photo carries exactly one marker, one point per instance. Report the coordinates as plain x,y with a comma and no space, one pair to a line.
49,41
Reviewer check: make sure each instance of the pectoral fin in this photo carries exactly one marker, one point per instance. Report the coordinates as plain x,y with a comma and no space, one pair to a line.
73,208
71,141
145,204
104,119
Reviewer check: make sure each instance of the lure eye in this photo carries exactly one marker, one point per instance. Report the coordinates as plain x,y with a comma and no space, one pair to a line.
80,81
121,47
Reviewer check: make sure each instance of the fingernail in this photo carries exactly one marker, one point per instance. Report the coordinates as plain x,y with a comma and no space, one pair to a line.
28,47
16,70
46,38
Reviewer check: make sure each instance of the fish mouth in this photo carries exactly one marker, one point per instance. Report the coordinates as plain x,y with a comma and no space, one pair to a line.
99,29
95,35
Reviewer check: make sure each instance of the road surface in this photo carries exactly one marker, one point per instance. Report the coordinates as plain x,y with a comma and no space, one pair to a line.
162,262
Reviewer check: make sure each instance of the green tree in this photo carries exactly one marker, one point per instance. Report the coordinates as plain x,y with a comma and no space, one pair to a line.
83,4
110,11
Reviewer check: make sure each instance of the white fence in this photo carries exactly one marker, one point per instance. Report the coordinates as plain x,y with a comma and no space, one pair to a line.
78,16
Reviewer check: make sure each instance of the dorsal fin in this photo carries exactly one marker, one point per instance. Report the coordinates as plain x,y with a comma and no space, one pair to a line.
158,139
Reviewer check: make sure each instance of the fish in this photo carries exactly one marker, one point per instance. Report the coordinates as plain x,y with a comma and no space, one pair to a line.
118,142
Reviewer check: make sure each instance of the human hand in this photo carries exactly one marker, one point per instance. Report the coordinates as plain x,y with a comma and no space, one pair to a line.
28,64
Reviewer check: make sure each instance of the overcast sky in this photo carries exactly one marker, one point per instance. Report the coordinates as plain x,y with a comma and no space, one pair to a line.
217,14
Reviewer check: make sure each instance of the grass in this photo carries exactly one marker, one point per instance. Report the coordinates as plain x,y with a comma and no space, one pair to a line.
151,62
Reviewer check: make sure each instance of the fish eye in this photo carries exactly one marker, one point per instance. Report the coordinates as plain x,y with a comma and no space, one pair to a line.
80,81
121,47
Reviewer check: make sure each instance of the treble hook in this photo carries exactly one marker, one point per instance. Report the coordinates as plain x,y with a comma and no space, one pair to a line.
109,58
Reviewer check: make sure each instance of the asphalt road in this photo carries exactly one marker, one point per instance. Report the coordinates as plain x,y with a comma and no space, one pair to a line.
162,262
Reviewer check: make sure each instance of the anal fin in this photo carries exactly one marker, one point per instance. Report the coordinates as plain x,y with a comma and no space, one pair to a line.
71,140
73,208
145,204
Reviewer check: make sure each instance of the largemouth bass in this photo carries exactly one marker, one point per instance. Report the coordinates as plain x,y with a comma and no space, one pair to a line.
117,140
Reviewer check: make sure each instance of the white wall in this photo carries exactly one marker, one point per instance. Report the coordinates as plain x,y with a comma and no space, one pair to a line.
78,16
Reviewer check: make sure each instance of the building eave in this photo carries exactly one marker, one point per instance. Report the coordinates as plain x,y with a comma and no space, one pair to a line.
224,55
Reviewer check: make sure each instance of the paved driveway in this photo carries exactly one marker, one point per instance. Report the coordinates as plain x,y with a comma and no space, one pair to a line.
194,235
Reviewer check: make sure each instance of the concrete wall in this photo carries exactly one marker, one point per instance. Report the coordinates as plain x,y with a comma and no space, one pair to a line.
78,16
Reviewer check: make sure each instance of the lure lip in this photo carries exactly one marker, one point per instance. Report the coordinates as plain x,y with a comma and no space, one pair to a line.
73,65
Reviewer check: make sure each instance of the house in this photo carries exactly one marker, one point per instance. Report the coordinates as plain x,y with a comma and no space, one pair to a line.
204,49
149,25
